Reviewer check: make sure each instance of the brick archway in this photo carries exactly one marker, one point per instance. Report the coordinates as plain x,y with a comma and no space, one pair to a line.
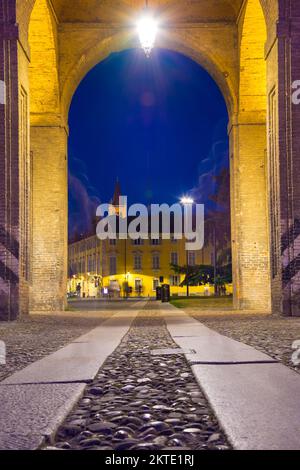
118,41
213,38
91,57
89,47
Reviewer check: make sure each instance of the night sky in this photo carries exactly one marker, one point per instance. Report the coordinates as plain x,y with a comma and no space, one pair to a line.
159,125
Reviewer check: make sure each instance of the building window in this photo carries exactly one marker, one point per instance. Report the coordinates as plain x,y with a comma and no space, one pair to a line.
112,265
155,241
191,258
156,262
174,258
173,239
155,284
137,262
112,241
138,242
138,286
174,280
82,266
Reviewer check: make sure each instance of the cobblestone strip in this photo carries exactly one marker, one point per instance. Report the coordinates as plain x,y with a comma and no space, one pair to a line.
141,401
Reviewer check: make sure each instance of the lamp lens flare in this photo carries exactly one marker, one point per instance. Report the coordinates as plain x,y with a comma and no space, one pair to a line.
147,30
187,200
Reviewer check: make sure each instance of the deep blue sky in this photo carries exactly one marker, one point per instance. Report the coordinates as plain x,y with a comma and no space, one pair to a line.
158,124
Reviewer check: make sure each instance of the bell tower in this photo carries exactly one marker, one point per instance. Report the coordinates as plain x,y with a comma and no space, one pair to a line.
121,210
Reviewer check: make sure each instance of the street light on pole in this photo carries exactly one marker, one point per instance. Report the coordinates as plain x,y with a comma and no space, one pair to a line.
187,201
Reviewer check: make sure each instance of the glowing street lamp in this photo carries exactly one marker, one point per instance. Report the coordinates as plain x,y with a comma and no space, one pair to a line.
147,28
187,201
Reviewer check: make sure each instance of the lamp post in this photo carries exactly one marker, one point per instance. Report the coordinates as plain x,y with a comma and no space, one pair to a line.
147,30
125,270
187,201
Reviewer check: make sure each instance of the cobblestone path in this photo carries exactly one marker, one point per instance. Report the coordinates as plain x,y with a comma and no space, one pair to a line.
143,401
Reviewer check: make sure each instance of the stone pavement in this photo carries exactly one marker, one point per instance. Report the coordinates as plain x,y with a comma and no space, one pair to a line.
33,337
145,397
132,384
272,335
80,360
30,414
36,399
255,398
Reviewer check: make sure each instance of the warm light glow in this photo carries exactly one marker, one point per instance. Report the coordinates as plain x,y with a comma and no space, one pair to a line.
187,200
147,31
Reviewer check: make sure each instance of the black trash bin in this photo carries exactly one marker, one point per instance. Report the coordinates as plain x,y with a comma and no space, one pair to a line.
158,293
165,293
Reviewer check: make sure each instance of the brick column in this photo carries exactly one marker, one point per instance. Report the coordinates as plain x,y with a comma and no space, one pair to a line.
9,164
50,217
286,218
250,237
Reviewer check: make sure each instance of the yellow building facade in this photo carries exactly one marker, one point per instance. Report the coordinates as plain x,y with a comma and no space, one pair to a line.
85,273
108,268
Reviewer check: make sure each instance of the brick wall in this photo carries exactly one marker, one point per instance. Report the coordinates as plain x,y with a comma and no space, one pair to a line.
288,57
9,165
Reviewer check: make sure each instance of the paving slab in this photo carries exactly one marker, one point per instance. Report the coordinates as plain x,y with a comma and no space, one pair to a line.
80,360
210,346
257,405
214,348
31,414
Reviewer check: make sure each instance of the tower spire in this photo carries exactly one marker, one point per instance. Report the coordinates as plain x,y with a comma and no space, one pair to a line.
117,193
